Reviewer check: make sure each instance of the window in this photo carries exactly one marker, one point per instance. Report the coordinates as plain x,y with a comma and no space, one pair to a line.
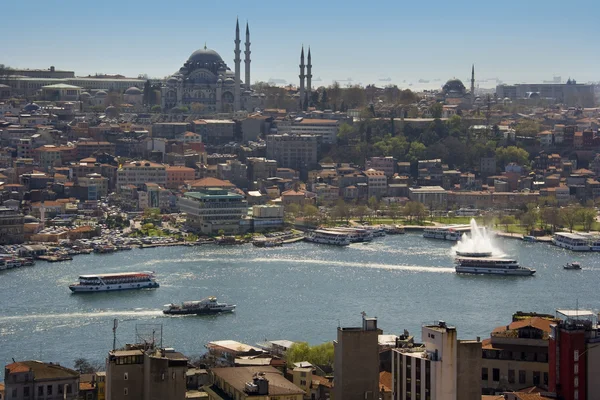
126,376
40,390
173,375
49,390
576,355
576,382
484,374
69,388
60,389
125,391
14,393
576,368
496,375
536,378
511,376
546,378
522,377
26,391
576,395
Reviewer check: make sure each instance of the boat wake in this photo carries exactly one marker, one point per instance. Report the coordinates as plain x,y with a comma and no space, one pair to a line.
97,314
415,268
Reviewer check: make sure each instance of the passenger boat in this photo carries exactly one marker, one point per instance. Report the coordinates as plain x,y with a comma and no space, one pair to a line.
572,265
491,266
572,241
355,235
116,281
529,239
209,305
394,229
325,236
452,232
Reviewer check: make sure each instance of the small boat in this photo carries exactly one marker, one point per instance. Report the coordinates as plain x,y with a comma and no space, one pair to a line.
529,239
572,265
267,242
209,305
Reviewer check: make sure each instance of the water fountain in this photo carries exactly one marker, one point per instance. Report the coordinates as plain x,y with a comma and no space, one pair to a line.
476,244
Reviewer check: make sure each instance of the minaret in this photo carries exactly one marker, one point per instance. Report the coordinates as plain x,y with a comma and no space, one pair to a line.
247,57
237,60
302,76
473,84
308,77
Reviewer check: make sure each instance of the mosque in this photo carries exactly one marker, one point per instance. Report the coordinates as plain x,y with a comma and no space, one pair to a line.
206,79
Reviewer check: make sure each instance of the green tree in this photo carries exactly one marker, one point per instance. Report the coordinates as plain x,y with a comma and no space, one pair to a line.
571,216
527,127
84,366
394,211
321,354
416,151
506,155
310,212
340,211
156,109
507,220
436,110
529,219
360,212
587,216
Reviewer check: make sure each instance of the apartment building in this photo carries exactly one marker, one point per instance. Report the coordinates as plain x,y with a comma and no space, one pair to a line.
299,152
25,380
140,172
212,210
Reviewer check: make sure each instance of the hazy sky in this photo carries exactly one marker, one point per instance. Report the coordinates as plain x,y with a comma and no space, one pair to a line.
514,40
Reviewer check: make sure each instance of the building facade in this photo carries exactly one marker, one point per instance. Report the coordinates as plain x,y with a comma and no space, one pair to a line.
212,210
140,172
299,152
26,380
11,226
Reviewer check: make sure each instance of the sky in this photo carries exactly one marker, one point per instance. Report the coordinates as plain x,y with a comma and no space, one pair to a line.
399,41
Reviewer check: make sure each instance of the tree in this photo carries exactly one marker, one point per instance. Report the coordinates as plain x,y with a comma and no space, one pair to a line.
511,154
587,216
156,109
570,215
507,220
436,110
197,108
527,127
321,354
361,211
292,209
340,210
394,211
84,366
416,151
550,216
530,218
310,212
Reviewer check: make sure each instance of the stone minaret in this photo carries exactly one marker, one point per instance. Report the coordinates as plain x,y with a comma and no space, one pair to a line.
247,57
237,60
473,84
302,76
308,77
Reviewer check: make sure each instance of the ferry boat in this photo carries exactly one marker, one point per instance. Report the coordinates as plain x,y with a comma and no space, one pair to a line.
572,241
116,281
491,266
452,232
209,305
325,236
355,235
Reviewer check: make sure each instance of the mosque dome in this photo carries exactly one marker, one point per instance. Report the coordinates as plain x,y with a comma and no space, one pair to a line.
229,81
454,86
101,93
111,112
133,90
85,95
205,56
31,107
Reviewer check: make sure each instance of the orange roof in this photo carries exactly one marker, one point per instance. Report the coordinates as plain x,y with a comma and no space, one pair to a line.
542,324
179,168
308,121
211,182
385,381
49,203
17,367
292,192
86,386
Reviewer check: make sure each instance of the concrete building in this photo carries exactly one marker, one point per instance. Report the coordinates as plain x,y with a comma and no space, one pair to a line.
87,149
267,216
299,152
11,226
376,183
571,93
260,168
434,197
441,368
215,131
143,373
326,128
26,380
212,210
140,172
356,368
574,355
516,355
385,164
96,184
256,383
224,352
177,175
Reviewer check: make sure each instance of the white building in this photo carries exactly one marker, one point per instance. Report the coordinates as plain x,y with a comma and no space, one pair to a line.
268,216
211,210
326,128
376,182
140,172
385,164
432,196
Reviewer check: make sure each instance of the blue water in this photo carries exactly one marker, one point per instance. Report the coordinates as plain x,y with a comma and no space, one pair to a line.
296,292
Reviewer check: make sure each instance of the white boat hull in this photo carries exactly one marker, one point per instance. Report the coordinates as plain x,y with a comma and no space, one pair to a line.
570,247
112,287
495,271
327,241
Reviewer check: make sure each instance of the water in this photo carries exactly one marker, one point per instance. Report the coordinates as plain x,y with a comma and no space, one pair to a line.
296,292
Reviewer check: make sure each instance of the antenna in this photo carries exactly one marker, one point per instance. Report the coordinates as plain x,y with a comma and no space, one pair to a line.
115,325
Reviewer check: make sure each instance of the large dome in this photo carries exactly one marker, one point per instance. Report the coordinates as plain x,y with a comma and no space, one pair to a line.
454,86
205,56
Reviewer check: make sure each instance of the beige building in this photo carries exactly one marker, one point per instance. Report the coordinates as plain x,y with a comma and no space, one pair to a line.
376,183
11,226
434,197
293,151
212,210
26,380
224,352
516,355
138,173
256,383
442,368
326,128
356,365
152,374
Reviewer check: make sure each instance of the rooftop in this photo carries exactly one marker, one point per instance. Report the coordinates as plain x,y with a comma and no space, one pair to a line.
42,370
238,376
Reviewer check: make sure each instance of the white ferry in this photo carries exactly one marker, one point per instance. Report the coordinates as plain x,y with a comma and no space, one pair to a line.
116,281
491,266
210,305
355,234
325,236
452,232
572,241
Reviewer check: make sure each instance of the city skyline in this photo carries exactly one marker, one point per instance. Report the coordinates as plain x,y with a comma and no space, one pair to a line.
396,43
